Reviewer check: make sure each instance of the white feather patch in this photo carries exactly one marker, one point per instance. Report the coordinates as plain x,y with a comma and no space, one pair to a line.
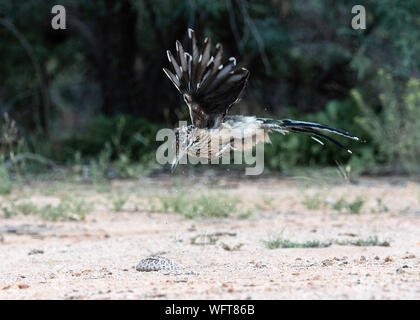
187,56
317,140
167,74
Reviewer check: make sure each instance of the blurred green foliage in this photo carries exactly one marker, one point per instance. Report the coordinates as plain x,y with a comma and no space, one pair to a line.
287,152
116,136
395,128
94,96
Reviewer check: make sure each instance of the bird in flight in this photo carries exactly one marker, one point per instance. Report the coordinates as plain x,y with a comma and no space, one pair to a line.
210,88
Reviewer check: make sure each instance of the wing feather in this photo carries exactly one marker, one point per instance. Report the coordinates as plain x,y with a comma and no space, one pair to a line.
173,78
174,64
203,60
219,78
211,87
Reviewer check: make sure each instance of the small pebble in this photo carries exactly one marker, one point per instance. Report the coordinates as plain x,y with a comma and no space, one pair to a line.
35,251
410,256
327,262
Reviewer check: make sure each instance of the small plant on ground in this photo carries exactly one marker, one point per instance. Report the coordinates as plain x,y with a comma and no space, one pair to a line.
10,143
244,213
99,168
353,207
6,184
119,201
380,206
227,247
370,241
312,202
192,206
65,210
25,208
204,239
280,242
8,212
266,203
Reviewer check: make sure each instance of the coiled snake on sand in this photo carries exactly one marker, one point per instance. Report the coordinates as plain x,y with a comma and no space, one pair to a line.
156,263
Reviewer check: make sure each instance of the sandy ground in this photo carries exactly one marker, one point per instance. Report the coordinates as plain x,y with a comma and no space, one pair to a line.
96,258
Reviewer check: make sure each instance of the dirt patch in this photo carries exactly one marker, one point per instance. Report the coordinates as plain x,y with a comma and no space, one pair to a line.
221,258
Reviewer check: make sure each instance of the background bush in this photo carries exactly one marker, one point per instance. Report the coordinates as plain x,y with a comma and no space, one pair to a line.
95,94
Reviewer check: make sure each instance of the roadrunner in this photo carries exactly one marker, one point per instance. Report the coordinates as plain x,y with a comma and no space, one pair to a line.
209,89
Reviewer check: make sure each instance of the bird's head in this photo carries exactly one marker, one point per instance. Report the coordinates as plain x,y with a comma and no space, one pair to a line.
184,139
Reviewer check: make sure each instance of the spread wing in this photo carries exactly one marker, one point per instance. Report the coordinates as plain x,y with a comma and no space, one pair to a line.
209,87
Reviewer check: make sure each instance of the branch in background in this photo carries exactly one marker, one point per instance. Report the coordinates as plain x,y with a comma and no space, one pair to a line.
44,105
233,26
31,156
86,32
260,43
155,23
191,18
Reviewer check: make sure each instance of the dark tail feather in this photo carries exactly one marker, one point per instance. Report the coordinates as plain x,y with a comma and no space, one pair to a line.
316,126
308,128
320,135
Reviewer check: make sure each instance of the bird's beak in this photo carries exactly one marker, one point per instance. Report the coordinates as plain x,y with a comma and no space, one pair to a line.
174,164
179,156
176,160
